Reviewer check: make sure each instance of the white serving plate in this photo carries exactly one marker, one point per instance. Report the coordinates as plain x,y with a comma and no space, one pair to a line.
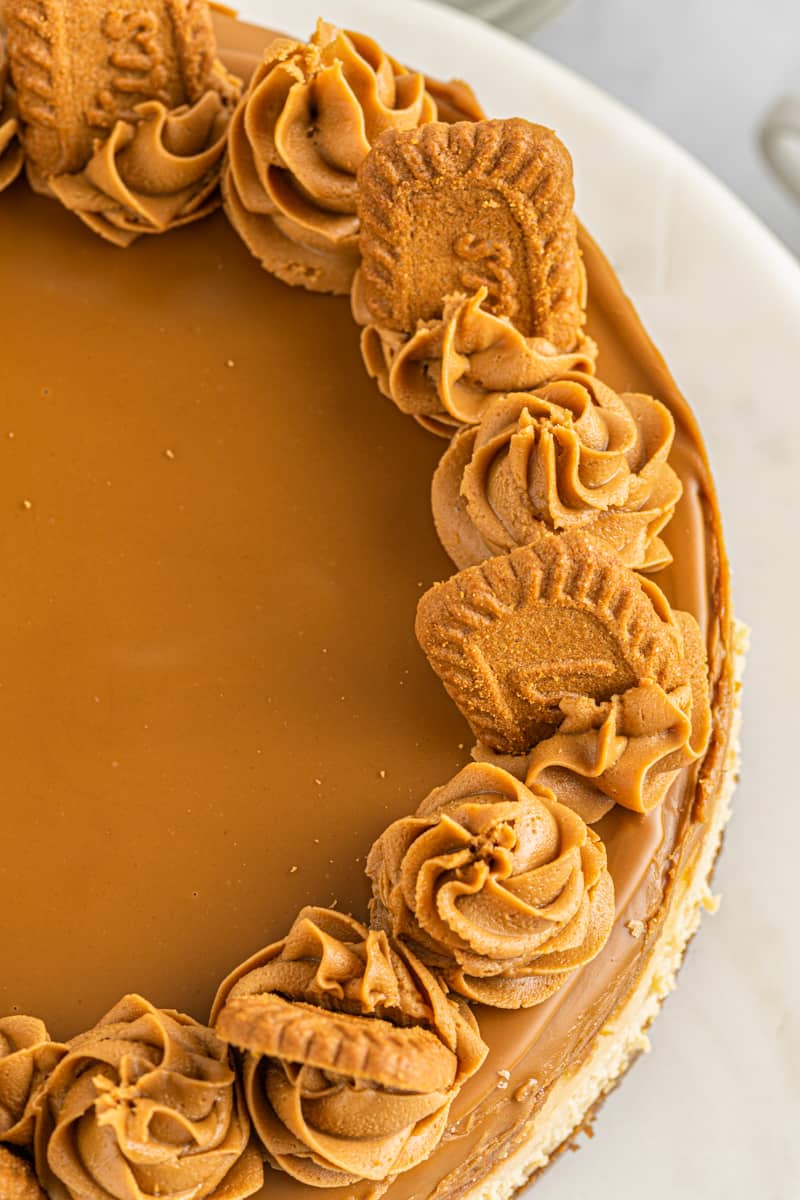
708,1114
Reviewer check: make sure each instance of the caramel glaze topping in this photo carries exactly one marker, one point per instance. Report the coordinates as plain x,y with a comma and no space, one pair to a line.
168,689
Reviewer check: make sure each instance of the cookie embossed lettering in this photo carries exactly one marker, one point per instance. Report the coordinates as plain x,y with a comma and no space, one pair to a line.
487,263
137,66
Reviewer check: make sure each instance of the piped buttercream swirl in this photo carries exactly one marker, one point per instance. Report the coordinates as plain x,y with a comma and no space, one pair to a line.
447,372
627,750
27,1057
156,174
298,137
17,1180
498,887
353,1051
145,1104
571,454
11,154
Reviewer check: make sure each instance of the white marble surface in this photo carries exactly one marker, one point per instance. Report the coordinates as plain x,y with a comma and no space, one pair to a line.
714,1111
704,71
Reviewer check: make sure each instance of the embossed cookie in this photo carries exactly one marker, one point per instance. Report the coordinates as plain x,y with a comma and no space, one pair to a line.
359,1047
451,208
338,1005
80,67
511,638
17,1180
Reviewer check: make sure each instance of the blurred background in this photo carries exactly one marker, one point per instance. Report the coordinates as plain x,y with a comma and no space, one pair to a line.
707,72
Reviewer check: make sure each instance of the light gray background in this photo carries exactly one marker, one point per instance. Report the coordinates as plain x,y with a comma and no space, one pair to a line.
704,71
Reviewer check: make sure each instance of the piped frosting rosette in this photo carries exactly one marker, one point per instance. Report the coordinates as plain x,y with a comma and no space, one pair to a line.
628,750
27,1057
145,1104
124,111
298,137
572,454
353,1051
17,1180
11,155
496,885
448,371
156,174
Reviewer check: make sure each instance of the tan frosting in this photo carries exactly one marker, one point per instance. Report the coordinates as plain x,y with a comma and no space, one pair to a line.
144,1104
156,174
27,1056
308,120
630,749
17,1180
449,369
11,155
125,110
497,886
572,454
354,1053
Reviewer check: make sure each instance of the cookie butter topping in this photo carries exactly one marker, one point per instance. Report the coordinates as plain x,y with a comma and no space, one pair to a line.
153,175
124,110
27,1056
145,1104
572,454
305,125
500,888
448,370
10,147
354,1053
628,750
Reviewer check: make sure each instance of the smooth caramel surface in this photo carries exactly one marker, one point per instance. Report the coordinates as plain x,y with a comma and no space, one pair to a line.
215,532
207,654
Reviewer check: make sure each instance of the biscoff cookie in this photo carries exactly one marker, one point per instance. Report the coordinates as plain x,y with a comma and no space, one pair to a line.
447,209
81,67
511,637
359,1047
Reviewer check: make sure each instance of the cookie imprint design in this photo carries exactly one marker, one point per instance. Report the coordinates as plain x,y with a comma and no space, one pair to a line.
353,1051
306,123
562,617
128,132
448,208
490,267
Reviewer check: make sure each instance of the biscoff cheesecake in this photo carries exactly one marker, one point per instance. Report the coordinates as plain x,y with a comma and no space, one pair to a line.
370,675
